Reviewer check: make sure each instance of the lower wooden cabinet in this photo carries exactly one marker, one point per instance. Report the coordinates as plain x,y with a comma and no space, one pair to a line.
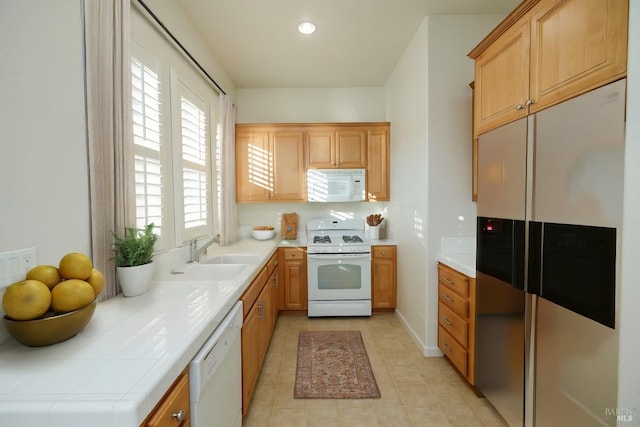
456,319
293,289
260,315
173,410
383,277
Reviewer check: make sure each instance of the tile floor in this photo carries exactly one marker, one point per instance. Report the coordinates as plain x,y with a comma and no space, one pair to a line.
416,391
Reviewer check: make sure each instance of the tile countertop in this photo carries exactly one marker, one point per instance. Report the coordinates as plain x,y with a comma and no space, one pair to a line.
115,371
459,253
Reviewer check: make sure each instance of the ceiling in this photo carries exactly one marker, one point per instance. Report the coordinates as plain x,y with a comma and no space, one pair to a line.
357,42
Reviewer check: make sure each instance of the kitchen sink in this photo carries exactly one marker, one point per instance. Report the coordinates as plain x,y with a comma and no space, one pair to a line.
210,272
231,259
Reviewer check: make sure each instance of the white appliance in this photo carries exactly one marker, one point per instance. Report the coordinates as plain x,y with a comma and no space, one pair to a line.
338,268
336,185
215,376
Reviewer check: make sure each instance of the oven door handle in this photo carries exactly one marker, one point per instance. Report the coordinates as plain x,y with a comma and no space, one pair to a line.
341,257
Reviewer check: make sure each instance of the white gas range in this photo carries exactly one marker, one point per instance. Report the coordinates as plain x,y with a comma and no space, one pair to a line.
338,268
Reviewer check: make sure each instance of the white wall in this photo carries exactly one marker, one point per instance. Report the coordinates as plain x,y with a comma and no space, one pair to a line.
407,95
629,370
44,180
429,105
311,105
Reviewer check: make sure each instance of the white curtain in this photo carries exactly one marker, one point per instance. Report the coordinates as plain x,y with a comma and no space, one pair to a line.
228,217
109,123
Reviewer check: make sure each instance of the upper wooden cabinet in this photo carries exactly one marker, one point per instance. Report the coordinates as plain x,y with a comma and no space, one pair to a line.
336,148
272,159
269,164
378,164
545,52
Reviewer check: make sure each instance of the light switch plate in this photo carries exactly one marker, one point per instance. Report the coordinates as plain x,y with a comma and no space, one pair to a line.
15,264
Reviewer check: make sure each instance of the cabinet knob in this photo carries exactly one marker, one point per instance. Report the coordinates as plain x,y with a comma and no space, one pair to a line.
178,416
519,107
384,252
529,102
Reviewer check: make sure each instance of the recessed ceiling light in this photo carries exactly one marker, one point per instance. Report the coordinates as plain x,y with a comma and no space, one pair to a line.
306,28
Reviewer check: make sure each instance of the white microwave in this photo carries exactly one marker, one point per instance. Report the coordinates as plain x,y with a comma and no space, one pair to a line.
336,185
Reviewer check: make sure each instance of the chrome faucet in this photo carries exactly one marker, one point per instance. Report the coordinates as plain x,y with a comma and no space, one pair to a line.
195,252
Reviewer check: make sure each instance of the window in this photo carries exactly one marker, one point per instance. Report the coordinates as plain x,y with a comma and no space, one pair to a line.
175,140
147,145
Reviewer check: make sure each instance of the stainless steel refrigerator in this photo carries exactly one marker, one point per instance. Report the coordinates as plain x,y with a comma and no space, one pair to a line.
549,234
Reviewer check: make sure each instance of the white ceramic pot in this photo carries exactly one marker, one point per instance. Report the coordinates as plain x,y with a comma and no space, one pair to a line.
374,232
136,280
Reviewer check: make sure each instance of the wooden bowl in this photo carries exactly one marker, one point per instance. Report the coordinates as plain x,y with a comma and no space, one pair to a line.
52,329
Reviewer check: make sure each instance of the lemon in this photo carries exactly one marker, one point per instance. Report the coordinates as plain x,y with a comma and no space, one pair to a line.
71,295
47,274
26,300
96,280
75,265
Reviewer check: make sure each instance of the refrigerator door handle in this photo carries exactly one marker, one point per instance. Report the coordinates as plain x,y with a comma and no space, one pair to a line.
534,276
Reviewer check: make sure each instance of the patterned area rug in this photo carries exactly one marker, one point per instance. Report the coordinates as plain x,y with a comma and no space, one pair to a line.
333,365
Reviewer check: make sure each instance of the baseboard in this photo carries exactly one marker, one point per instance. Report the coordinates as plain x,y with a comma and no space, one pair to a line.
425,350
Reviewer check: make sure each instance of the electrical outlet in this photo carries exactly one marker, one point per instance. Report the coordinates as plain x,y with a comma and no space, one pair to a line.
15,264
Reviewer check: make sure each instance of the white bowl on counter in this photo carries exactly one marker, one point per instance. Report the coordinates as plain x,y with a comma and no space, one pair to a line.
263,234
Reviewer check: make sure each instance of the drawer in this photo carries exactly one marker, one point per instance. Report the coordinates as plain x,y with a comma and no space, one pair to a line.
452,350
293,253
451,278
176,401
251,294
454,324
454,301
387,252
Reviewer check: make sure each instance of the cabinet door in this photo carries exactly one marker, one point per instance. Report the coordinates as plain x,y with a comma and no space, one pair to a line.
320,148
295,285
378,164
502,79
576,46
383,276
274,283
265,327
289,178
253,166
351,148
250,354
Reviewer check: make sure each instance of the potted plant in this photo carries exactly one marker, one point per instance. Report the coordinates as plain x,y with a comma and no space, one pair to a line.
134,259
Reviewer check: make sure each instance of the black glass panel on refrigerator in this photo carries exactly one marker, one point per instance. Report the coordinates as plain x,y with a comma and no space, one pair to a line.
579,269
500,249
535,257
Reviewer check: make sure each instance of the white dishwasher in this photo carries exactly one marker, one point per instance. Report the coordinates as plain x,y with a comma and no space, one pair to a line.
215,376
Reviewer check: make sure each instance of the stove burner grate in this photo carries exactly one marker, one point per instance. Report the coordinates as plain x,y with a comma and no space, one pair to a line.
352,239
321,239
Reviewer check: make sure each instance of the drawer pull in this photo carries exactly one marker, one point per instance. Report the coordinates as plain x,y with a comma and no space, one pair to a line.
447,321
447,297
179,416
447,347
448,281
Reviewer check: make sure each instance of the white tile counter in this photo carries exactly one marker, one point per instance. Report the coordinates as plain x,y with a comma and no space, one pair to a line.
115,371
